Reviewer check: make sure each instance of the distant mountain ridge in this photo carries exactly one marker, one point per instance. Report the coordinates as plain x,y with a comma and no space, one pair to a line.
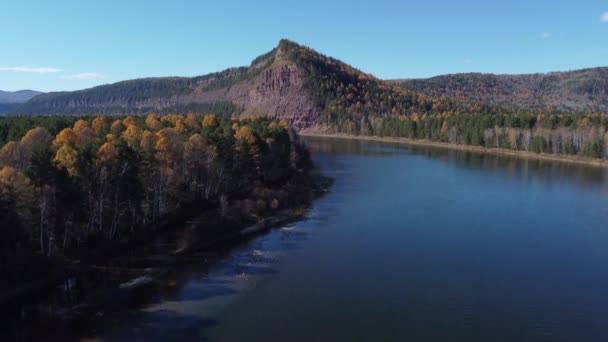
271,85
584,90
17,96
10,99
307,88
290,82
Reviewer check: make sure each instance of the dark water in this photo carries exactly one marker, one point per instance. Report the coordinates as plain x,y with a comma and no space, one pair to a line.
411,244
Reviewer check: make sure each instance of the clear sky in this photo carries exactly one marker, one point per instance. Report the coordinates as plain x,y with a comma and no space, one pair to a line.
66,45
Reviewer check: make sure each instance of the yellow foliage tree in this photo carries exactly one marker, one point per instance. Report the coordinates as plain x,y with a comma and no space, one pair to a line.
169,150
80,125
180,126
34,137
148,141
99,125
111,138
84,133
129,120
15,186
37,136
245,133
66,158
107,153
10,154
66,137
132,135
117,127
210,120
191,122
152,123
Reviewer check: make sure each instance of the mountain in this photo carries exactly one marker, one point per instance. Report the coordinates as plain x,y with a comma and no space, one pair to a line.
291,82
10,100
17,96
307,88
583,90
272,85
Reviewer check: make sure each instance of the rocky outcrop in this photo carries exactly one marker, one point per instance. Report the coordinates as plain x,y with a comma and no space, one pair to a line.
277,92
272,86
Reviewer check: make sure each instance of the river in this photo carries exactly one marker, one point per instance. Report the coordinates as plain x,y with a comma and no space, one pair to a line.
410,244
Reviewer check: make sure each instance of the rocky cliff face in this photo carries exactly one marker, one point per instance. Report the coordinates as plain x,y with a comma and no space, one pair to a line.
277,92
275,88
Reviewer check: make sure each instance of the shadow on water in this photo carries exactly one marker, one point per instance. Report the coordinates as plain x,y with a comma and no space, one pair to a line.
95,305
113,311
167,326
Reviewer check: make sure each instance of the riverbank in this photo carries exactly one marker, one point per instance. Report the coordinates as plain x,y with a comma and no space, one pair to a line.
469,148
139,260
92,292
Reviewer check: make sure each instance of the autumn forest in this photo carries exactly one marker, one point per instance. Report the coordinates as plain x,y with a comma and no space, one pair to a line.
70,183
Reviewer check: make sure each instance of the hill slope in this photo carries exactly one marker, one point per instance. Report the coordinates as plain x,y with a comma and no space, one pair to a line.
9,100
17,96
291,82
272,85
583,90
306,88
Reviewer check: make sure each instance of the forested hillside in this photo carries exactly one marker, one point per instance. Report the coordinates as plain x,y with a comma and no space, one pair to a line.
309,89
350,100
68,183
270,86
580,91
290,82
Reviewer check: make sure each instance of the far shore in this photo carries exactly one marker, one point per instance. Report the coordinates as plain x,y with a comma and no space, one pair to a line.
477,149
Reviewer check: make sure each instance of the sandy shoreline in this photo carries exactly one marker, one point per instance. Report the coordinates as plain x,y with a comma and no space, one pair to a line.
477,149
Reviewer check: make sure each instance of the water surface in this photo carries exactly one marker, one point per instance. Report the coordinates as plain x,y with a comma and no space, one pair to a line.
410,244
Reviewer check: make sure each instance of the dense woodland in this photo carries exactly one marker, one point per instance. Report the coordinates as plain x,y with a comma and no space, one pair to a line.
578,91
585,135
68,182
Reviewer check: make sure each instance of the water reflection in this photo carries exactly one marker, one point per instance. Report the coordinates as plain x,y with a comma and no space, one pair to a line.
510,166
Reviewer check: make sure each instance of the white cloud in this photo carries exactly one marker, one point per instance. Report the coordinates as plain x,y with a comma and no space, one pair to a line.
84,76
29,69
604,17
467,61
546,35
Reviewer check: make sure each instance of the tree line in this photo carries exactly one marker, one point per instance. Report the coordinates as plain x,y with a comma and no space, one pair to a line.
67,181
585,135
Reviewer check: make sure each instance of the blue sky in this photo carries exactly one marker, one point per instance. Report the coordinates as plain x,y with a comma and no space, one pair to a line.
66,45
